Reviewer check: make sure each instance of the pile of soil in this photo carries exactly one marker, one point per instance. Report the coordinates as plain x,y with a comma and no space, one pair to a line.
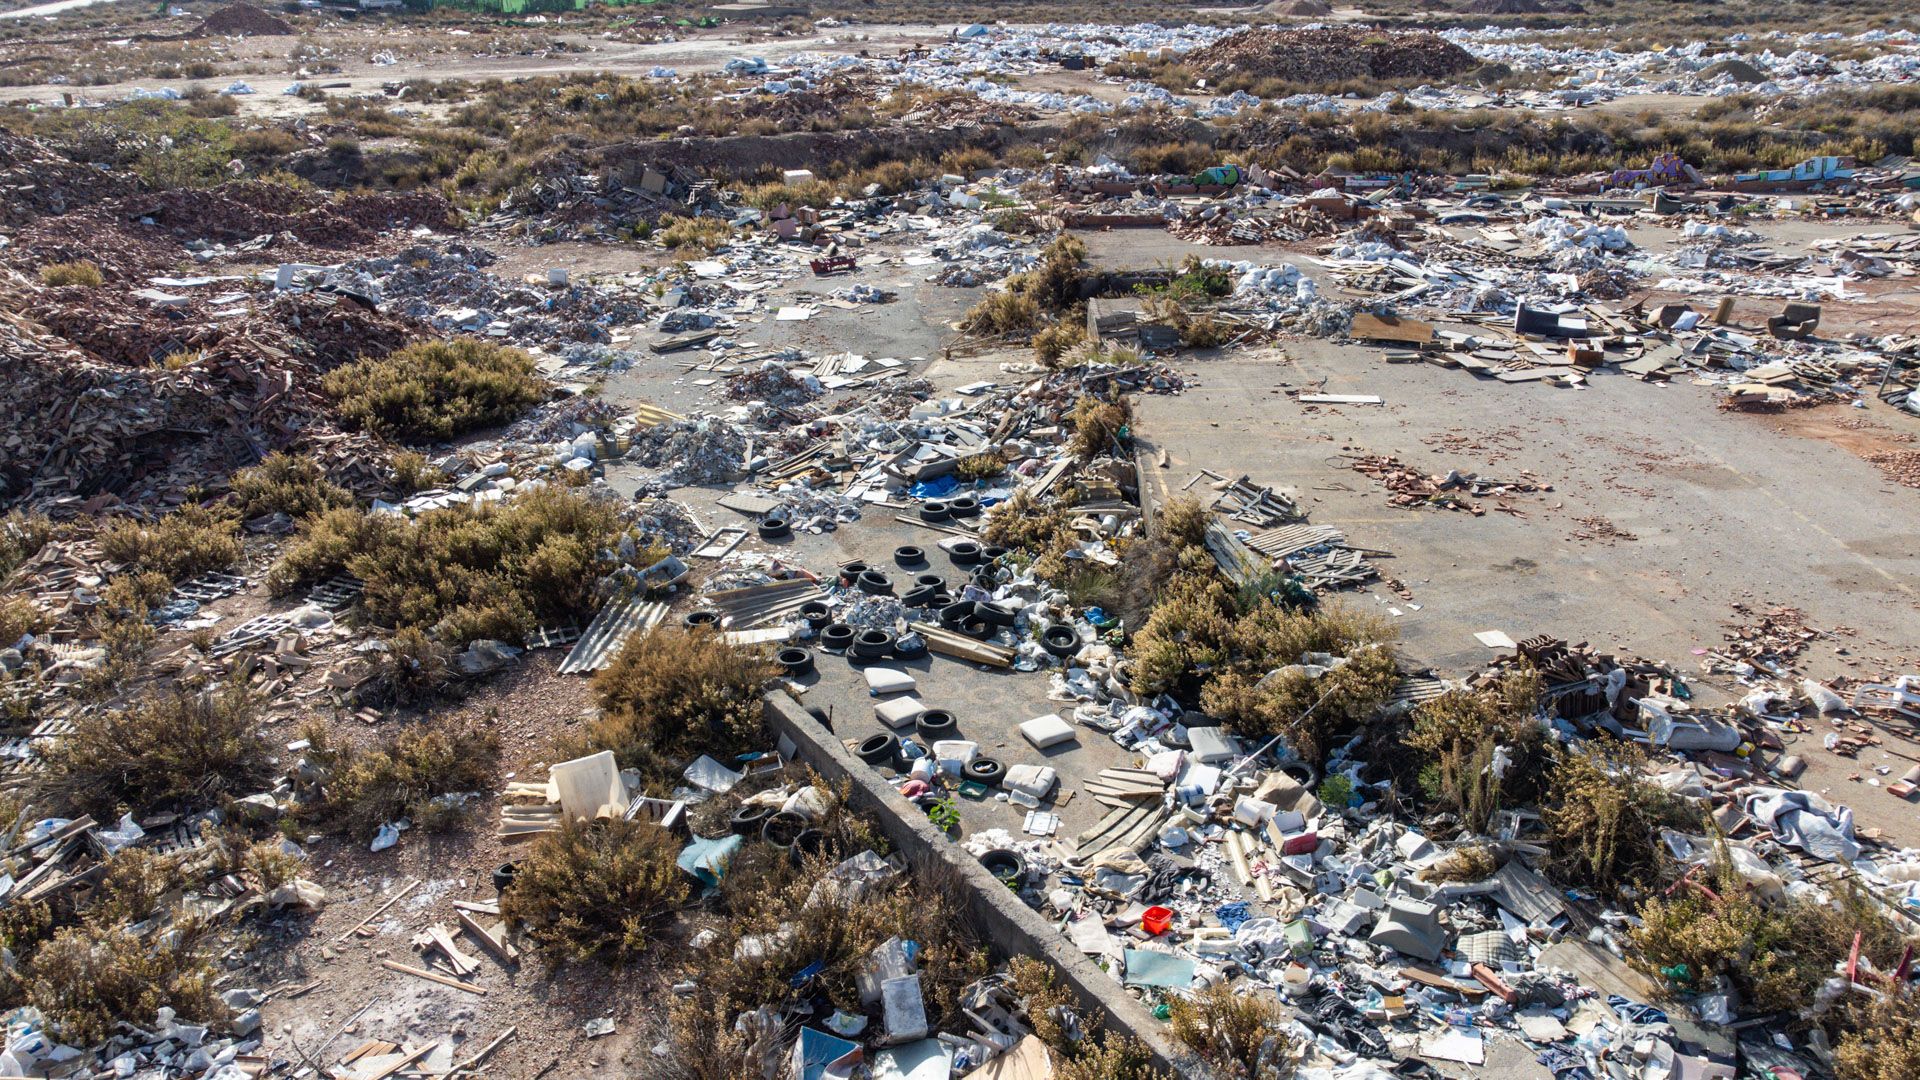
1331,55
243,20
1740,70
1311,9
1506,7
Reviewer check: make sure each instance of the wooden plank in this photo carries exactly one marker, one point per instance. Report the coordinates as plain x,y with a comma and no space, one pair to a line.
494,941
403,1062
432,976
381,910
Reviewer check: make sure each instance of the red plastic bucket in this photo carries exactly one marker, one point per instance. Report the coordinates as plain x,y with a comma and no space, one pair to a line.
1156,920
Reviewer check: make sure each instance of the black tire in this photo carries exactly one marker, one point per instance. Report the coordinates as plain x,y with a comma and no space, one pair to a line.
775,527
995,614
694,619
850,573
985,770
810,842
964,553
909,555
936,580
872,645
1006,866
817,613
955,615
919,596
934,510
836,636
504,874
1060,640
977,627
935,724
874,583
796,660
962,506
879,750
749,820
903,651
942,600
992,552
783,828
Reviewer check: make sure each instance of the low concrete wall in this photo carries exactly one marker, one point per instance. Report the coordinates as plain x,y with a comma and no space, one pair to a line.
1012,928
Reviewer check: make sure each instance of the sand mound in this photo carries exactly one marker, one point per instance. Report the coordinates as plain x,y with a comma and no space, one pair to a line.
1741,71
1331,55
243,20
1506,7
1299,8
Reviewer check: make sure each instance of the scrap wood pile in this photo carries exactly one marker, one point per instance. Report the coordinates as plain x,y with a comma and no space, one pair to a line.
38,182
135,236
1331,54
136,428
1226,228
571,200
1411,487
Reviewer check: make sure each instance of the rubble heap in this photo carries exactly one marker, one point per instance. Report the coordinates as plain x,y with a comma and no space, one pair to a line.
40,182
1329,54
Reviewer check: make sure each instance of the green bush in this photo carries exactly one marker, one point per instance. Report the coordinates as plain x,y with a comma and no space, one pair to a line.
598,890
495,571
671,695
436,390
285,484
1455,736
90,979
190,541
183,749
1604,817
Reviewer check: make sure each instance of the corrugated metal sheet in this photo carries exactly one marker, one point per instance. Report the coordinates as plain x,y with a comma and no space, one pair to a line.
609,630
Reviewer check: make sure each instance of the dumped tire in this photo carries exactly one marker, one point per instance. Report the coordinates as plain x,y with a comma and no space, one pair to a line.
836,636
1060,640
985,770
797,661
783,828
920,596
775,527
934,510
1007,866
874,583
908,555
962,506
995,614
504,874
880,749
992,552
872,645
694,619
955,615
904,651
964,553
809,843
817,613
749,820
934,725
936,580
977,627
850,572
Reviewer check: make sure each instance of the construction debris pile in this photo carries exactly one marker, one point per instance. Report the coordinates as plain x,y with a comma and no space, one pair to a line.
1330,54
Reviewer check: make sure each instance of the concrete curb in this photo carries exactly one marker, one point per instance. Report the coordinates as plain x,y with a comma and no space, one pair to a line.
1012,928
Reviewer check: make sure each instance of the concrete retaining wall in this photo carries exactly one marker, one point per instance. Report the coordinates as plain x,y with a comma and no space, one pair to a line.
1012,928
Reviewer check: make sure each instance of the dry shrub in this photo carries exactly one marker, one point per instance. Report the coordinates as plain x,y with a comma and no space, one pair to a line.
795,928
80,272
1043,533
496,571
22,535
436,389
1604,817
1243,1036
597,890
1455,736
1003,312
1092,1053
1184,639
183,749
1260,698
1205,331
1466,864
404,775
671,695
1061,338
413,474
18,618
285,484
706,235
414,669
192,540
1098,426
1776,955
89,979
982,466
1881,1040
